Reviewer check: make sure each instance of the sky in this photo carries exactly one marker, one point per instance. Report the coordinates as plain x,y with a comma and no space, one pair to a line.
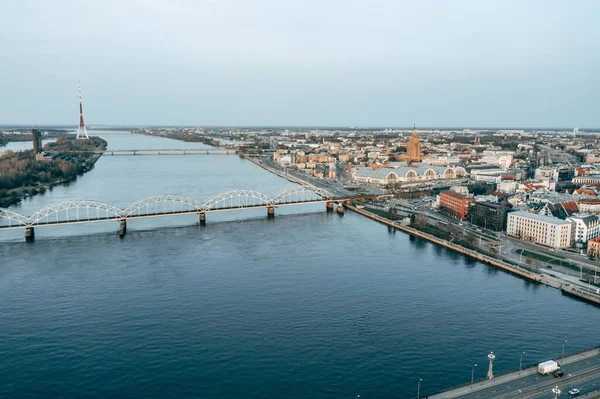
461,63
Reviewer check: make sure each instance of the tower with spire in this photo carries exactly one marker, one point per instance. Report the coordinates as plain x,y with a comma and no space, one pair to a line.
81,131
413,148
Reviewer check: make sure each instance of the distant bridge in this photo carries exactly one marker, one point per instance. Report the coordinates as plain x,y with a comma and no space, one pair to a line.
164,151
88,211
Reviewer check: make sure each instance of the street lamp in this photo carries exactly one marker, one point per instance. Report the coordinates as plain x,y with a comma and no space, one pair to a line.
556,392
521,394
562,358
419,388
521,362
571,389
473,373
490,374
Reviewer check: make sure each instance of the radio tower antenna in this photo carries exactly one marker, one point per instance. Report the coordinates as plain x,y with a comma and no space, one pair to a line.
81,131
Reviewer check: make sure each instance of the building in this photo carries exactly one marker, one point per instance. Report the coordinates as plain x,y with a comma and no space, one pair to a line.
561,210
413,148
37,141
584,227
407,174
544,230
490,215
454,204
589,205
586,180
593,247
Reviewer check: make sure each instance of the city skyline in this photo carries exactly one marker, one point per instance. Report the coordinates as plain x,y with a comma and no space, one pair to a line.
262,63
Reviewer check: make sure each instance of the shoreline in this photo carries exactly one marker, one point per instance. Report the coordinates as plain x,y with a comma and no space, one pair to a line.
62,147
513,269
566,289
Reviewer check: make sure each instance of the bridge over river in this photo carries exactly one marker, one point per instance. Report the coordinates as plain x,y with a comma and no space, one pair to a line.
164,151
89,211
580,371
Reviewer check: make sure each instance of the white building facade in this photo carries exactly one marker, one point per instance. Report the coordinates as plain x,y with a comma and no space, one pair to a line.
544,230
584,227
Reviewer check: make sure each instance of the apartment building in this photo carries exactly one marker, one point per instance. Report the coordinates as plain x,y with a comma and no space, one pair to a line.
544,230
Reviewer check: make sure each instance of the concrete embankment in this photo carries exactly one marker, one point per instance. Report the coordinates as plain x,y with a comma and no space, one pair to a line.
279,173
571,290
514,269
457,248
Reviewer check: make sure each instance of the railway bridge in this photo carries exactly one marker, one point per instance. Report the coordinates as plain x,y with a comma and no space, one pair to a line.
89,211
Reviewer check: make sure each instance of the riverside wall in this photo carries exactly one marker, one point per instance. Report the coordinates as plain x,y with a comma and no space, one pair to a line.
457,248
514,269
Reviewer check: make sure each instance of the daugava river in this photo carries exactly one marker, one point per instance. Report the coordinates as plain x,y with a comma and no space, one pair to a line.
308,305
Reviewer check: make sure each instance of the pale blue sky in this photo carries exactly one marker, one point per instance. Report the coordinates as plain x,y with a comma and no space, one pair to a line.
302,62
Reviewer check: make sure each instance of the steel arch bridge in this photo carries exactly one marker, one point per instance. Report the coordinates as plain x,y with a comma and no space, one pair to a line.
237,199
75,211
161,204
82,211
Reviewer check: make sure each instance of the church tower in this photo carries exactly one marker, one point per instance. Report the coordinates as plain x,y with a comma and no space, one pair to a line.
413,149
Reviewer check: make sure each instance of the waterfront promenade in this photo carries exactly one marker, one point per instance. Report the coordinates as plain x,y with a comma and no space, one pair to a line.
581,371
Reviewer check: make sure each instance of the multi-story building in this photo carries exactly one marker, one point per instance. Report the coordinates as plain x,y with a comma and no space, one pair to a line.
413,148
589,205
489,215
454,204
584,227
544,230
37,141
593,247
586,180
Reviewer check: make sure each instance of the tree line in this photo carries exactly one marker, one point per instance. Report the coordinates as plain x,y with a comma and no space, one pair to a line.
22,175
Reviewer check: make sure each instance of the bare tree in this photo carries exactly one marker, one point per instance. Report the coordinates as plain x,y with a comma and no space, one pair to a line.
419,220
471,239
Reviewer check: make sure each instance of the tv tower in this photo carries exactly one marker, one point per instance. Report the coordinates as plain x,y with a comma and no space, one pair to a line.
81,131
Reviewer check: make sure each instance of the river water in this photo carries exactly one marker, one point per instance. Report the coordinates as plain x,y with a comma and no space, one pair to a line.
17,146
309,304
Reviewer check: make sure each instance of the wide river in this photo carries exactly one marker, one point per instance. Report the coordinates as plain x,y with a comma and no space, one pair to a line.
307,305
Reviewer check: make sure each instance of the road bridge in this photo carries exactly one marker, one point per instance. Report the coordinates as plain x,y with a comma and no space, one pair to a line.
164,151
581,371
163,205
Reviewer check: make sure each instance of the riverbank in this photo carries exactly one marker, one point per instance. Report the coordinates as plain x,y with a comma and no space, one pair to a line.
182,134
279,173
24,135
513,269
25,174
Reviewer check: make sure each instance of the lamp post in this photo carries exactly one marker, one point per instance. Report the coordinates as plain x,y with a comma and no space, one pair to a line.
521,362
562,357
571,389
419,388
473,373
490,374
520,394
556,392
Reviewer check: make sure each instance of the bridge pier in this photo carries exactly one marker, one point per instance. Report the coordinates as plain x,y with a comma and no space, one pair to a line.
270,212
202,216
329,206
29,234
340,209
122,227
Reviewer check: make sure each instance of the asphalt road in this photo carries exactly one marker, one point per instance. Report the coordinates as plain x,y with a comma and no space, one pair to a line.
585,376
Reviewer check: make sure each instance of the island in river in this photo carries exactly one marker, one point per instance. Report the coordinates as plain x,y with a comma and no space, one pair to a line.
23,174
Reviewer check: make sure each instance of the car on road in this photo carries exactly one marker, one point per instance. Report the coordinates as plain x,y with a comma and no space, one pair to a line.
558,374
574,391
